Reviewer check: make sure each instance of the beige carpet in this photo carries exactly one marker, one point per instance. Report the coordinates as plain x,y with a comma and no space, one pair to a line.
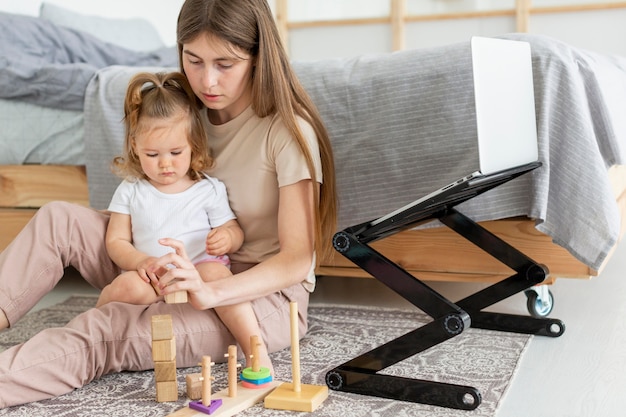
483,359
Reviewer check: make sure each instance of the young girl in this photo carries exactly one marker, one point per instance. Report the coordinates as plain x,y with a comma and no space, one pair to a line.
166,194
273,154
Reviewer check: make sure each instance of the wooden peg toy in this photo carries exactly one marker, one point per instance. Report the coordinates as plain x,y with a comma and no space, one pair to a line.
296,396
255,376
232,370
206,404
235,398
254,345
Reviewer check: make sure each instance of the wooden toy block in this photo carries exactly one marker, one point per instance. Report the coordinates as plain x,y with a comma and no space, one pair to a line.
166,391
164,350
194,386
162,328
178,297
164,358
165,371
174,298
295,396
156,289
245,398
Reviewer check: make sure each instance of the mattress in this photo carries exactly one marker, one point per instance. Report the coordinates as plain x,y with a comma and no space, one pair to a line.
44,71
33,134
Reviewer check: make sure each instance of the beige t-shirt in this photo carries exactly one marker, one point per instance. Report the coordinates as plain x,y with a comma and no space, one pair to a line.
254,157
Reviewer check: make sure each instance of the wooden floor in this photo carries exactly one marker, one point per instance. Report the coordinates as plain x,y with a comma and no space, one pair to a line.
580,374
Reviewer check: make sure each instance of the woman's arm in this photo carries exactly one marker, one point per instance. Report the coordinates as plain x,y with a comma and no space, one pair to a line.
288,267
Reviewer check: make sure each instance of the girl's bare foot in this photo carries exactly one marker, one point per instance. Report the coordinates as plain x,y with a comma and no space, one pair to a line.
263,358
4,322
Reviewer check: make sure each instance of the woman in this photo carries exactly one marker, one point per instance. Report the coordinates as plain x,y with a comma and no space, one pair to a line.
270,149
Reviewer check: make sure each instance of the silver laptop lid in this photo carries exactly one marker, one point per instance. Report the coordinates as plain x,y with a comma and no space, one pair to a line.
505,103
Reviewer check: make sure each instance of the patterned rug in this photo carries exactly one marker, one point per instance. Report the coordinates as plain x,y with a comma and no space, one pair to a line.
483,359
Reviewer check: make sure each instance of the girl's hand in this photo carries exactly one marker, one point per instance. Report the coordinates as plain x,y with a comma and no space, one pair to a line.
183,276
218,242
146,265
224,239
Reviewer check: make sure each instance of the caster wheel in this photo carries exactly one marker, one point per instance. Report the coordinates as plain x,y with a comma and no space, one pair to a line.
539,306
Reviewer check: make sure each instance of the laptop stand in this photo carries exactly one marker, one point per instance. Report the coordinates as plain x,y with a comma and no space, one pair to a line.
360,375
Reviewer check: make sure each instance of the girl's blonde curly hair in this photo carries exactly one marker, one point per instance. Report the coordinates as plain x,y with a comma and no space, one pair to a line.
161,96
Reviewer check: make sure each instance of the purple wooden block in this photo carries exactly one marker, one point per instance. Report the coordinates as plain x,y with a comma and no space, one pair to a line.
198,406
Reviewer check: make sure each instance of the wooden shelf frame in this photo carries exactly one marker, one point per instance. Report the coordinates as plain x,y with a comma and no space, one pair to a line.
399,17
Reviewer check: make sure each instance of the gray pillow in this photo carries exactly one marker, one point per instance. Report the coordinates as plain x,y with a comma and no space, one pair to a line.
135,34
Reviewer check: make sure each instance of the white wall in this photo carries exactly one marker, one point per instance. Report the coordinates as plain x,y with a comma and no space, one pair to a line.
162,14
602,31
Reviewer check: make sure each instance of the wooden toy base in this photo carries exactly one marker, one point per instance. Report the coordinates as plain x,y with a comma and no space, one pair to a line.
308,399
245,398
206,409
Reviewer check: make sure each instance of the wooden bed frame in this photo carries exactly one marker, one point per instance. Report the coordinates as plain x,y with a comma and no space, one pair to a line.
432,254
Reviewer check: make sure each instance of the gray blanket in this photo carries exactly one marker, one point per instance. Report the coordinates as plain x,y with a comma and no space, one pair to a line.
403,125
50,65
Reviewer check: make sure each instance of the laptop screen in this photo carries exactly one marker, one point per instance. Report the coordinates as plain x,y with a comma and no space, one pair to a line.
505,103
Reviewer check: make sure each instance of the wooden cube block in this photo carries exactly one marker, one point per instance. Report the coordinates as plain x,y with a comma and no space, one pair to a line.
166,391
194,386
164,350
165,371
162,328
178,297
156,289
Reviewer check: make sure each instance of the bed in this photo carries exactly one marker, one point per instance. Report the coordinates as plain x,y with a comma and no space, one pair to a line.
46,63
402,125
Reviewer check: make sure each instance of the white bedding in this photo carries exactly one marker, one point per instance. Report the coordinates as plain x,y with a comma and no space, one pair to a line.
45,65
33,134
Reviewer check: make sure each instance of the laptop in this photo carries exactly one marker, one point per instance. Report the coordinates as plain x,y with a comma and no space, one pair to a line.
506,127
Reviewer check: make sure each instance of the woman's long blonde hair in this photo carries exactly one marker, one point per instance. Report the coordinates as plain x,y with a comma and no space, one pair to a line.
161,96
249,26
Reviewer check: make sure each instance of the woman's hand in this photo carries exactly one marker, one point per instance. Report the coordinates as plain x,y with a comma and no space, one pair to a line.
183,276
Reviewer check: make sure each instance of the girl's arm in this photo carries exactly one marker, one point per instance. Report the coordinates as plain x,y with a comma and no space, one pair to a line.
119,244
288,267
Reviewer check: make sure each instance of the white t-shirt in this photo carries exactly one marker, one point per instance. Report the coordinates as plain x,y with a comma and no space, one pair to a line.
186,216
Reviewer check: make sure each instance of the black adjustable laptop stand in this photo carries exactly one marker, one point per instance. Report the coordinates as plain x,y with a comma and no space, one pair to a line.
360,375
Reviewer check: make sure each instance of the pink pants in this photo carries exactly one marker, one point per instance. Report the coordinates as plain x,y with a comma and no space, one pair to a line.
115,337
